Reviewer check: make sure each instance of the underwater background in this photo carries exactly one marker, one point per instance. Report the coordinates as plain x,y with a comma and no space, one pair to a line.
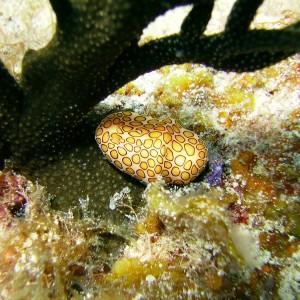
93,232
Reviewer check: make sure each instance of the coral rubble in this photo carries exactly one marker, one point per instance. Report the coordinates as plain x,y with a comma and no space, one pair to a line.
92,232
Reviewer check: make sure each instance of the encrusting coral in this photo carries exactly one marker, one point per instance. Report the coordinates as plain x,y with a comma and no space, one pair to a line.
52,254
230,234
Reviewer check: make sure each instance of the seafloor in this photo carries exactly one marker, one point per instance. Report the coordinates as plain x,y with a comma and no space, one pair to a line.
233,234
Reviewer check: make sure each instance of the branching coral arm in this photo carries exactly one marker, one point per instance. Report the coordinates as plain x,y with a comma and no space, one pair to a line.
63,11
63,81
10,106
235,49
241,16
195,23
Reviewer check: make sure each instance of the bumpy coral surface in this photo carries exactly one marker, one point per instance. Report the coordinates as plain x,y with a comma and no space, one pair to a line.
241,227
233,235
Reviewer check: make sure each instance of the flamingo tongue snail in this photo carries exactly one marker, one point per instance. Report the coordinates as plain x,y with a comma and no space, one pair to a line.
146,148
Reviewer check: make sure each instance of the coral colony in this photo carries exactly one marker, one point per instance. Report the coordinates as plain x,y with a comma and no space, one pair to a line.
73,225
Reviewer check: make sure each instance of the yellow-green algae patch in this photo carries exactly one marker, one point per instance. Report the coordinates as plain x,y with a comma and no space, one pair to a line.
186,245
243,236
52,255
200,241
